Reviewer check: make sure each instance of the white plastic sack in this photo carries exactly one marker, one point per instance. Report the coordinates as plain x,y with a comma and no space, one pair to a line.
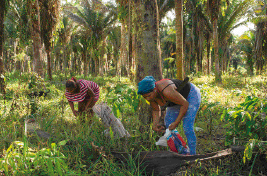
163,139
109,119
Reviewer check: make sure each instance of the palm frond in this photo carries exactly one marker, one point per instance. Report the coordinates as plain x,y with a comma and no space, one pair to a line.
234,13
238,13
76,18
239,24
258,19
205,18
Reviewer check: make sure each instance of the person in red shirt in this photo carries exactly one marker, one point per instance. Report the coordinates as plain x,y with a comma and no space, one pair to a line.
85,92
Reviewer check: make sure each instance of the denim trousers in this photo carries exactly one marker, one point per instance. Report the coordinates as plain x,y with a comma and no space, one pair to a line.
194,99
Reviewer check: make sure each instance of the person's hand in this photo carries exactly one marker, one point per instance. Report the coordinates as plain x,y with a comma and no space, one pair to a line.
158,128
173,125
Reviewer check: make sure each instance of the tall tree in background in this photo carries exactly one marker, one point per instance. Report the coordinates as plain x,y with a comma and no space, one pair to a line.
114,39
96,22
214,8
35,27
246,45
17,32
65,33
130,36
235,11
49,12
3,8
123,10
179,39
261,34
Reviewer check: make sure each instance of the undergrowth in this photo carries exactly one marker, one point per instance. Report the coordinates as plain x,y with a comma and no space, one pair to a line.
82,149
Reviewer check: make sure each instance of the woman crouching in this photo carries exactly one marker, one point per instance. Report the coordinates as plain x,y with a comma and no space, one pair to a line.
85,92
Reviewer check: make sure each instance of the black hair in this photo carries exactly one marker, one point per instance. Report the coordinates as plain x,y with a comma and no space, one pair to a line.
73,84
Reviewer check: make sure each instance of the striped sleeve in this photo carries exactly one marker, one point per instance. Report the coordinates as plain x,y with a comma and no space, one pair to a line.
95,88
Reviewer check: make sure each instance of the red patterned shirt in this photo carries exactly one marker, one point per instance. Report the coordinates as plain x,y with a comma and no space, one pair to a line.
82,95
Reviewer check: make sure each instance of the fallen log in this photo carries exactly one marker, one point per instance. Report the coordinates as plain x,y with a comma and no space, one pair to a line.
166,162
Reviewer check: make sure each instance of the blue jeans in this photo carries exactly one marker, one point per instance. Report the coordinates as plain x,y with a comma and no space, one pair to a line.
194,99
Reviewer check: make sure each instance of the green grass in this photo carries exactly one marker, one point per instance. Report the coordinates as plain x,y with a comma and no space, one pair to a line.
80,158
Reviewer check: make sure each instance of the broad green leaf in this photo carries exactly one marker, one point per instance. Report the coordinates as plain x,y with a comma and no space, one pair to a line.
64,142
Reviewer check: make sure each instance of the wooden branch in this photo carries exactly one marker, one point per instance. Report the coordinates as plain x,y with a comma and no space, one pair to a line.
167,162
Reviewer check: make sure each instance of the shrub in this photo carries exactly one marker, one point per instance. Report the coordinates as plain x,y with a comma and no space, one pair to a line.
247,120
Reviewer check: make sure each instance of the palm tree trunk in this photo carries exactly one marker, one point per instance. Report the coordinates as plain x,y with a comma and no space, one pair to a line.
101,63
134,49
2,70
218,78
190,52
158,36
130,41
116,58
194,39
208,55
200,50
73,62
259,43
97,60
79,71
17,62
49,16
123,55
85,65
147,52
179,39
222,46
250,64
109,57
48,52
26,63
34,15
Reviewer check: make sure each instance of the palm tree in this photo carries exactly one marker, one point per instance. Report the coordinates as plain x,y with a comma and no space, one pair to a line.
18,33
214,8
12,38
198,30
114,44
49,13
168,42
246,45
233,14
161,7
66,32
179,39
146,19
3,8
123,10
76,47
96,21
34,21
146,31
261,45
261,36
